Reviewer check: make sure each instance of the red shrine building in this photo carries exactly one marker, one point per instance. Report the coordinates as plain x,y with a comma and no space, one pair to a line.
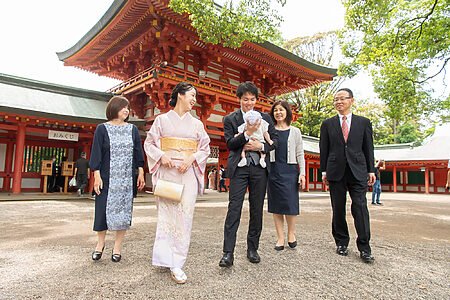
150,48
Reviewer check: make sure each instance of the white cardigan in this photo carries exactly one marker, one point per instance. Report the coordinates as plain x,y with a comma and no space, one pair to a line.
295,153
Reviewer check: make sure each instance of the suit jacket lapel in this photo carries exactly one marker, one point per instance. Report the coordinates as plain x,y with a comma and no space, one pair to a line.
239,118
337,125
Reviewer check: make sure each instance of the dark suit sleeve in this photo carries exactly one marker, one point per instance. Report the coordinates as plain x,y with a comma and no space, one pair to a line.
272,133
368,147
324,147
233,143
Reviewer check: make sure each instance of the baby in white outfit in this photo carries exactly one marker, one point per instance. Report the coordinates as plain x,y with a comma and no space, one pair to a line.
260,134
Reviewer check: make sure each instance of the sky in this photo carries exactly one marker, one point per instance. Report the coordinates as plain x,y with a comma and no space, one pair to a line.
33,31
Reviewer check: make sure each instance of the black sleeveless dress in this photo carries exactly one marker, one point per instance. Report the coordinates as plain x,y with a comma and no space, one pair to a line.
282,188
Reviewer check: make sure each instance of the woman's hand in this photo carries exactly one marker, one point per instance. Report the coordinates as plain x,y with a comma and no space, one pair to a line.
98,182
166,161
186,164
303,181
140,179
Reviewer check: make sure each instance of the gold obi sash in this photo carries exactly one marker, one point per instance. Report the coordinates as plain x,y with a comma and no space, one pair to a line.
178,148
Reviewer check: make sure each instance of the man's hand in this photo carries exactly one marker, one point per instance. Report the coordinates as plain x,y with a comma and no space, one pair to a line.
324,179
252,128
253,145
372,179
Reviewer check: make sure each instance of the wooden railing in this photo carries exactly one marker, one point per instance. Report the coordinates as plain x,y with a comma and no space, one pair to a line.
182,75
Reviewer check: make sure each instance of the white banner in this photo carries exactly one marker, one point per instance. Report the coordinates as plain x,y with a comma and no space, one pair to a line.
62,135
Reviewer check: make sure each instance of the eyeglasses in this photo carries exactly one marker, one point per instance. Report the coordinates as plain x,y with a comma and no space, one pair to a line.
341,99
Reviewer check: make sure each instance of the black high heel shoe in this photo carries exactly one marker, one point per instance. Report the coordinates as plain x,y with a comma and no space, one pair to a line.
293,244
115,257
96,255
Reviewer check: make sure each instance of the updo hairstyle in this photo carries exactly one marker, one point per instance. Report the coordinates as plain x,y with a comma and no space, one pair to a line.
180,88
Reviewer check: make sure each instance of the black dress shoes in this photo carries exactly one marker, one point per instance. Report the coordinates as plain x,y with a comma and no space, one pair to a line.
96,255
342,250
253,256
227,260
367,257
293,244
115,257
278,248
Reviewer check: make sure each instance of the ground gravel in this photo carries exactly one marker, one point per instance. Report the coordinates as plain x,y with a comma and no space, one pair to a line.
45,251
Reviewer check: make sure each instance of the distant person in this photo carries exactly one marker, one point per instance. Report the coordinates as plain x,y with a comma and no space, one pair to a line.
380,165
284,176
82,173
60,180
212,179
222,176
51,183
447,185
117,159
347,164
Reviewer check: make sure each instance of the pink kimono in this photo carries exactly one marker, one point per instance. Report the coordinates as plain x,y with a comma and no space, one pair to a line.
173,231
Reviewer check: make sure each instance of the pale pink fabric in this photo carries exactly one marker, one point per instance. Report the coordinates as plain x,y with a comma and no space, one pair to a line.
175,219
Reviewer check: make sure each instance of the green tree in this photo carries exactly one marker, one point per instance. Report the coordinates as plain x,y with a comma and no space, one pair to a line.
314,103
404,44
232,24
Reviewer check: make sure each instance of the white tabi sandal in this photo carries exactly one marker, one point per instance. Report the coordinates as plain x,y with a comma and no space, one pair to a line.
178,275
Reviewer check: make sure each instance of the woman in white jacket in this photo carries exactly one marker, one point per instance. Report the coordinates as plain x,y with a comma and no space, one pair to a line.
287,172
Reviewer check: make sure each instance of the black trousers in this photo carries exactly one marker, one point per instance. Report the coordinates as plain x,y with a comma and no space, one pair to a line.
82,182
357,190
255,179
222,185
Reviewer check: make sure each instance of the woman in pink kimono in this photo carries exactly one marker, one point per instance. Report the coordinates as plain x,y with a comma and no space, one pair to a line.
178,131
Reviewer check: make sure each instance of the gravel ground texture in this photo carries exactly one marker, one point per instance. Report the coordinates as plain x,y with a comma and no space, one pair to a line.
46,251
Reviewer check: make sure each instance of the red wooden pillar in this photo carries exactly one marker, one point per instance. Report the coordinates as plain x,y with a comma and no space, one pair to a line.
8,165
307,174
395,179
18,158
427,181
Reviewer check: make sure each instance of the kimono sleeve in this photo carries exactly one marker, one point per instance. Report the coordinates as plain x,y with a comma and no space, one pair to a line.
152,146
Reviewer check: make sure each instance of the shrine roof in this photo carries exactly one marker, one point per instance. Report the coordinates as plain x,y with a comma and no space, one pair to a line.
437,148
108,36
47,100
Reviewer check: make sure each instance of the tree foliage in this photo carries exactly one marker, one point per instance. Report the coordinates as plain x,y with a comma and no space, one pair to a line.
404,44
232,24
314,103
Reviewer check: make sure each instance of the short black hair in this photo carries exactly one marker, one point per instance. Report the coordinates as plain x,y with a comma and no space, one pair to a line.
115,104
286,106
180,88
247,87
349,91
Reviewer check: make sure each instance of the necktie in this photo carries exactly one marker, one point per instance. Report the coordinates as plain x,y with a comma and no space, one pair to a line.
345,128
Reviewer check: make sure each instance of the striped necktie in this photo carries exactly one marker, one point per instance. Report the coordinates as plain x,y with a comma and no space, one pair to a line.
345,128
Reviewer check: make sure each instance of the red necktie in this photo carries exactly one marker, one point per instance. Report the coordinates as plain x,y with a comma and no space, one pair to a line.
345,128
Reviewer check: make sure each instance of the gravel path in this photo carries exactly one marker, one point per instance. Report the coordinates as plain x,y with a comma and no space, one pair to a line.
45,251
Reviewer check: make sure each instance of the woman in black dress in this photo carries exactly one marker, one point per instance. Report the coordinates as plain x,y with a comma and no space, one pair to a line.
117,160
284,179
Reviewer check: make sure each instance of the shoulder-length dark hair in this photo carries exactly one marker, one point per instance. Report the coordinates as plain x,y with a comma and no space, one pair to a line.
286,106
180,88
115,104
